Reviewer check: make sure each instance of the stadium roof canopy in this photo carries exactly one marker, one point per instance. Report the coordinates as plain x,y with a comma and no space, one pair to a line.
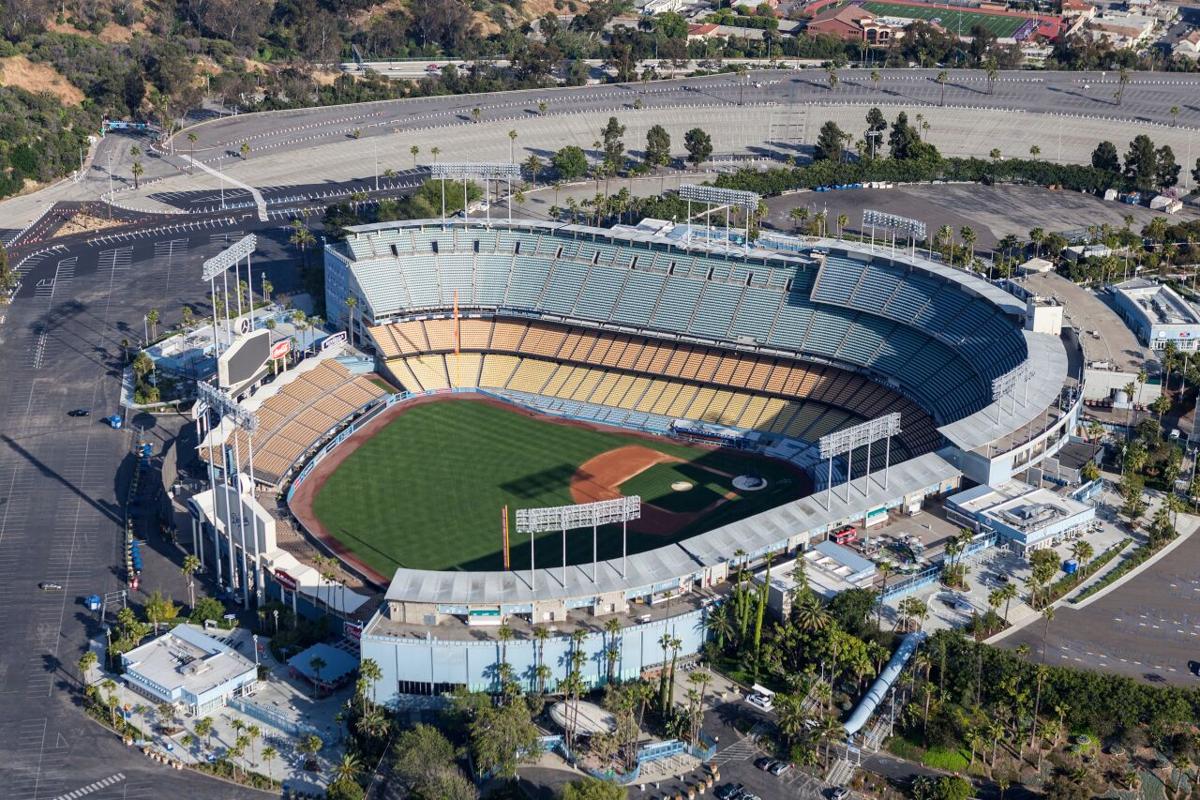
757,534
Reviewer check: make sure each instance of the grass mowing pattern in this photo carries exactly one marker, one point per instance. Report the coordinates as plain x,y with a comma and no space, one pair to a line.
654,487
426,491
951,19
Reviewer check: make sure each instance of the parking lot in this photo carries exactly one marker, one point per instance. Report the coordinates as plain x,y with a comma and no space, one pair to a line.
1147,627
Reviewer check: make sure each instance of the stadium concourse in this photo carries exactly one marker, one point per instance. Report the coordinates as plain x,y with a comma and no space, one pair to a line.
659,333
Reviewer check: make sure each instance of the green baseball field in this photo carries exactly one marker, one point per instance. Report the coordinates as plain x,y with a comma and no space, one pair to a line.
953,20
426,490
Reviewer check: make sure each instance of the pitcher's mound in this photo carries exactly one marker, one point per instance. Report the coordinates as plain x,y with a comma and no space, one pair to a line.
682,486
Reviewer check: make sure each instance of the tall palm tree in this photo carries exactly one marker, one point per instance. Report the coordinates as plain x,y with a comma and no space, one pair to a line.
415,151
87,662
512,140
191,137
190,565
269,753
942,77
612,627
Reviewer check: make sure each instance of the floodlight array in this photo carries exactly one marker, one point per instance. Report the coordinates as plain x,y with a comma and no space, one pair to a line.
1006,385
843,441
913,228
449,170
722,197
582,515
231,255
226,406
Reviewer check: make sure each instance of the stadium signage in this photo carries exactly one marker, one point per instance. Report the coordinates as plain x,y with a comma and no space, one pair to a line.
285,580
352,629
333,340
280,349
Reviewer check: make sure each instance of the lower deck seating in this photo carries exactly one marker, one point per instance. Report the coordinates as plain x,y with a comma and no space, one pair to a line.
642,374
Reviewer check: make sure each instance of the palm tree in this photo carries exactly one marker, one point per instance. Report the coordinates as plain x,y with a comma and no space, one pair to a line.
612,626
87,663
1122,82
370,671
253,733
885,570
1048,616
152,317
476,113
435,152
875,78
204,727
301,237
269,753
415,151
348,768
138,171
190,565
316,663
1174,116
351,303
842,221
512,140
992,71
941,78
798,215
109,687
191,137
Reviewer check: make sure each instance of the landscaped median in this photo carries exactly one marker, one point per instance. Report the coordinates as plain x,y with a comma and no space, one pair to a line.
1135,559
1066,583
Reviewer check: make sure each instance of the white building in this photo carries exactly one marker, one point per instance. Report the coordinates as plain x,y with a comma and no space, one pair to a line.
1158,314
186,666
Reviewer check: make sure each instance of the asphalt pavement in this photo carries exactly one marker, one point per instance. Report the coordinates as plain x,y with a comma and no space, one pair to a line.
62,483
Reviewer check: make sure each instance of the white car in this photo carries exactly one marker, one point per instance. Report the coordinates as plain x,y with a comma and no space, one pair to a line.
760,701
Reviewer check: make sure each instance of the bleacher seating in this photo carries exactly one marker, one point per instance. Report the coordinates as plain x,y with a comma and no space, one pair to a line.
941,343
293,419
647,376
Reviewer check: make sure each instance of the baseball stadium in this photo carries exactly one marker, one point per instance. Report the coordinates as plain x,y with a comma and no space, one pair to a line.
669,409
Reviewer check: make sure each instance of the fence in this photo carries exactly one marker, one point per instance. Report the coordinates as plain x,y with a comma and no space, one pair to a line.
932,573
275,719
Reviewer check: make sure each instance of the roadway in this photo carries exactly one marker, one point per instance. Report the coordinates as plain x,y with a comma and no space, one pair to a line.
1148,97
61,479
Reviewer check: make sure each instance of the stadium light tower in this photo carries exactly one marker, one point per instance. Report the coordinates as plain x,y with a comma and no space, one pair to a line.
730,198
216,400
581,515
219,265
487,171
847,440
912,229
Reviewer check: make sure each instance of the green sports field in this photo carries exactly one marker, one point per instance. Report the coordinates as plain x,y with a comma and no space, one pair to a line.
953,20
426,490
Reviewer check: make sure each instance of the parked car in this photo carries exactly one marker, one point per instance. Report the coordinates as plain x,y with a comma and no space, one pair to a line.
779,768
839,793
760,701
730,791
764,763
46,586
78,412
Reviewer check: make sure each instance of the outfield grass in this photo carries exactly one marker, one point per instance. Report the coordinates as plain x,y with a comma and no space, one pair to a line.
426,490
952,20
